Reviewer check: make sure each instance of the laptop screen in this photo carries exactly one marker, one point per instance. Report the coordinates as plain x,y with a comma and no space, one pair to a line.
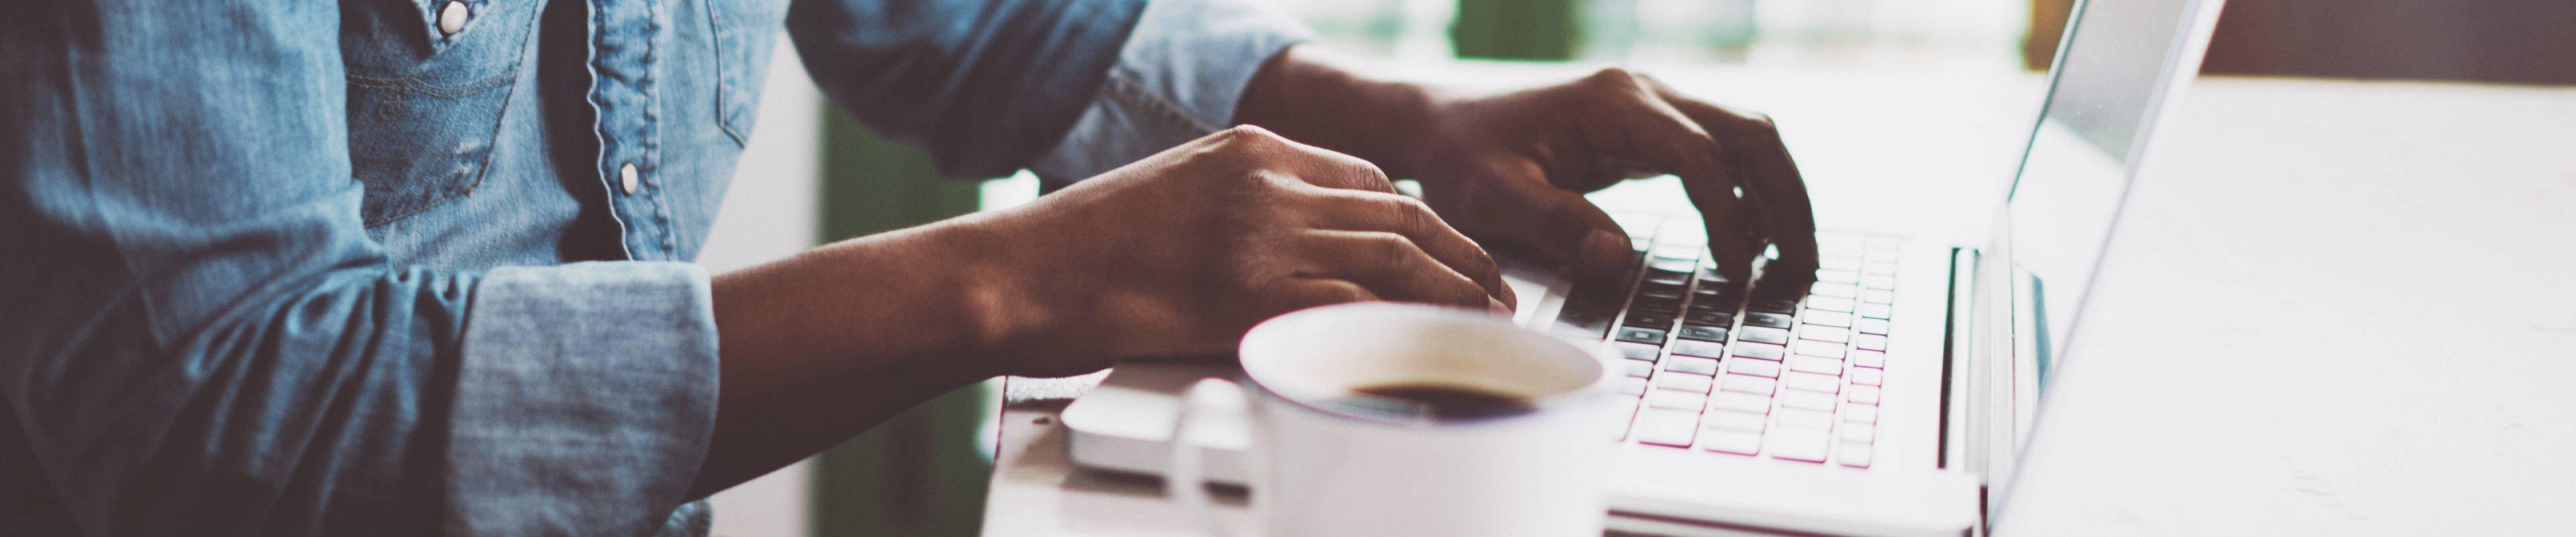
2113,67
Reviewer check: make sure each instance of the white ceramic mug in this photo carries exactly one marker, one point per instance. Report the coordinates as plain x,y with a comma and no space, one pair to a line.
1328,459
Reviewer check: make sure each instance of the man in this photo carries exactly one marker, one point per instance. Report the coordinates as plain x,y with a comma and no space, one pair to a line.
412,267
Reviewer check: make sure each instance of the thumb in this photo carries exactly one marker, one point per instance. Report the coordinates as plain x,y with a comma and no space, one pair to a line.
1560,224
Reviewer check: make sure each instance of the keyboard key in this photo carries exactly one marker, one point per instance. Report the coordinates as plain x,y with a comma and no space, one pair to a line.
1875,311
1736,442
1878,296
1839,262
1837,290
1659,291
1758,368
1684,382
1814,382
1748,384
1826,349
1799,445
1666,427
1759,351
1859,433
1640,368
1815,364
1743,402
1827,318
1632,385
1648,319
1711,318
1837,276
1883,268
1685,252
1830,303
1853,455
1869,359
1824,333
1870,326
1773,320
1677,266
1702,333
1804,419
1870,343
1692,365
1857,413
1664,307
1736,421
1637,351
1807,400
1647,336
1703,349
1867,395
1782,306
1763,334
1868,376
1676,400
1666,277
1878,282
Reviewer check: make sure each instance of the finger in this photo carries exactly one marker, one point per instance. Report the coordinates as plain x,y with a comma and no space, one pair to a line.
1371,211
1312,165
1653,133
1296,293
1770,178
1388,266
1559,223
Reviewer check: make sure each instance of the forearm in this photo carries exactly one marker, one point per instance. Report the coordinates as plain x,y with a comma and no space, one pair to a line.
820,346
1309,95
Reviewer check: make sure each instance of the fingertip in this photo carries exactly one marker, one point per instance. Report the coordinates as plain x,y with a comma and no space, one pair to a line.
1605,254
1497,306
1510,299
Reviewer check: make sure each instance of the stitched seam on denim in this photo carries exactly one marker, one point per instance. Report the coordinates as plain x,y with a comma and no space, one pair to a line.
483,168
599,127
1128,90
724,95
434,90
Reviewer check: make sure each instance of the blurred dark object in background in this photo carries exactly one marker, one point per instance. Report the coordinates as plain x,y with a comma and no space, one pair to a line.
2499,41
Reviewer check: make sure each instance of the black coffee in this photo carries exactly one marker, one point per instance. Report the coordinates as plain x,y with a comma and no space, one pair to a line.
1441,401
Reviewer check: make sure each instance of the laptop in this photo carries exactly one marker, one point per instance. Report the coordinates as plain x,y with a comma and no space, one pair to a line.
1888,394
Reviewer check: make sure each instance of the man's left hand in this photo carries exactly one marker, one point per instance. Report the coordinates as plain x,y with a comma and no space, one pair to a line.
1512,165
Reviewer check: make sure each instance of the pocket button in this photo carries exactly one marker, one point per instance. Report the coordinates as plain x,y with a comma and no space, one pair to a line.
451,17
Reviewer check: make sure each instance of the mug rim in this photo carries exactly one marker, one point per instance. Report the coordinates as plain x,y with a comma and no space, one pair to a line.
1335,400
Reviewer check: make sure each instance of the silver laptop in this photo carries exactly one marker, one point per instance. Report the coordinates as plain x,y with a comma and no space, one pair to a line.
1887,395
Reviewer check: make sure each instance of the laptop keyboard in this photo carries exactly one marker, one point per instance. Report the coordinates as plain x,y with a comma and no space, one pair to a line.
1712,366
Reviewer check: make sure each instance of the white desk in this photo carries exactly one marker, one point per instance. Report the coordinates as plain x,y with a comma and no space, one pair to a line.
2333,308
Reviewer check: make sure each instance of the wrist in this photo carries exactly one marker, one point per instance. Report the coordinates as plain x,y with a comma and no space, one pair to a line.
1316,98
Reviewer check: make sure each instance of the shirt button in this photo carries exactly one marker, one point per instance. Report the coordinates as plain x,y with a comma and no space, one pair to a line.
451,18
626,177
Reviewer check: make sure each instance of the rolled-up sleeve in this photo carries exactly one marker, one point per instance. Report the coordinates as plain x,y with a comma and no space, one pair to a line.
593,378
1177,78
197,336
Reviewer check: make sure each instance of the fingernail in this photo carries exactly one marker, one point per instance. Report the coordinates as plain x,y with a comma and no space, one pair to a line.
1510,299
1497,306
1605,253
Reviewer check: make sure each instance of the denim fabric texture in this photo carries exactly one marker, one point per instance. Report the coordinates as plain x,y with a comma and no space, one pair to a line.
355,268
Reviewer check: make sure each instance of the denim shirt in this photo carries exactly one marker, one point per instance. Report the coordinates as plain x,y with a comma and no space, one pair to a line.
422,266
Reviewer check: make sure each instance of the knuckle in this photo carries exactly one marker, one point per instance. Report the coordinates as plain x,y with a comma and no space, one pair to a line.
1249,134
1614,76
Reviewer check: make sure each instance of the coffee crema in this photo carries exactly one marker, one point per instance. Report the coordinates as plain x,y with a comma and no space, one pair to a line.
1443,401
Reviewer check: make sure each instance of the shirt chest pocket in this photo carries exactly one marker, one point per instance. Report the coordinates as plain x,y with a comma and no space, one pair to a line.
745,32
428,80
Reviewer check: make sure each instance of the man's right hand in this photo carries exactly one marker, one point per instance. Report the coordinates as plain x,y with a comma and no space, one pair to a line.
1181,252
